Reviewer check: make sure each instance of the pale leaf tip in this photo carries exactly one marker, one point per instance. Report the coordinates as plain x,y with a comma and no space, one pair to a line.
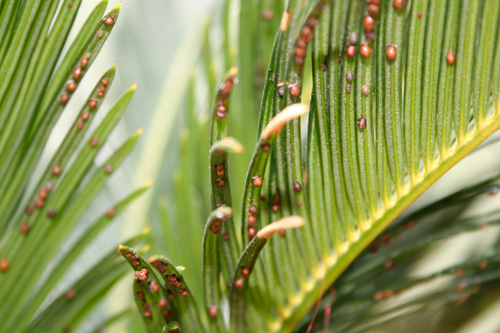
285,20
288,222
150,183
276,124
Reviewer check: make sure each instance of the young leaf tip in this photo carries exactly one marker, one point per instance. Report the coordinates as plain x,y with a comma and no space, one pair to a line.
150,183
276,124
288,222
285,20
134,86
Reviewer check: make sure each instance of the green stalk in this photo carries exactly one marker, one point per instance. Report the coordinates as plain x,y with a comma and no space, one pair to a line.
211,269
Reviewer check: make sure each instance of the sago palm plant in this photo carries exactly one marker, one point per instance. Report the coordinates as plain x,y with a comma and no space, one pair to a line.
401,91
38,80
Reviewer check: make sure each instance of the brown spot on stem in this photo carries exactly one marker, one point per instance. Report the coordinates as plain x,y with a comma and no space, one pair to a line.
64,98
84,62
253,209
162,303
56,170
71,86
213,311
238,283
94,142
257,181
4,265
391,52
251,232
154,286
184,293
105,81
85,116
109,21
351,51
92,104
294,90
297,188
368,23
70,294
110,212
226,236
24,228
77,72
399,4
216,226
450,57
108,169
365,50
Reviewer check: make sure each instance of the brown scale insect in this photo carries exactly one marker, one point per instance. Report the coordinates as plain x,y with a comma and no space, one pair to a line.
267,15
71,86
147,314
70,4
42,193
213,311
450,57
299,61
365,50
388,293
365,90
30,210
220,115
294,90
77,72
141,295
257,181
378,296
297,188
220,169
373,9
84,62
388,264
221,108
85,116
391,52
368,23
353,38
100,33
70,294
109,21
51,213
370,35
362,123
281,232
253,209
306,34
251,220
349,76
398,4
136,262
351,51
312,22
154,286
110,212
323,67
266,147
275,208
251,232
92,104
245,272
49,186
238,283
79,126
162,303
24,228
165,313
483,265
375,2
276,199
300,52
108,169
39,203
142,274
94,142
105,81
348,89
263,197
100,94
102,88
221,182
226,236
419,15
4,265
386,238
458,272
215,227
184,293
64,98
